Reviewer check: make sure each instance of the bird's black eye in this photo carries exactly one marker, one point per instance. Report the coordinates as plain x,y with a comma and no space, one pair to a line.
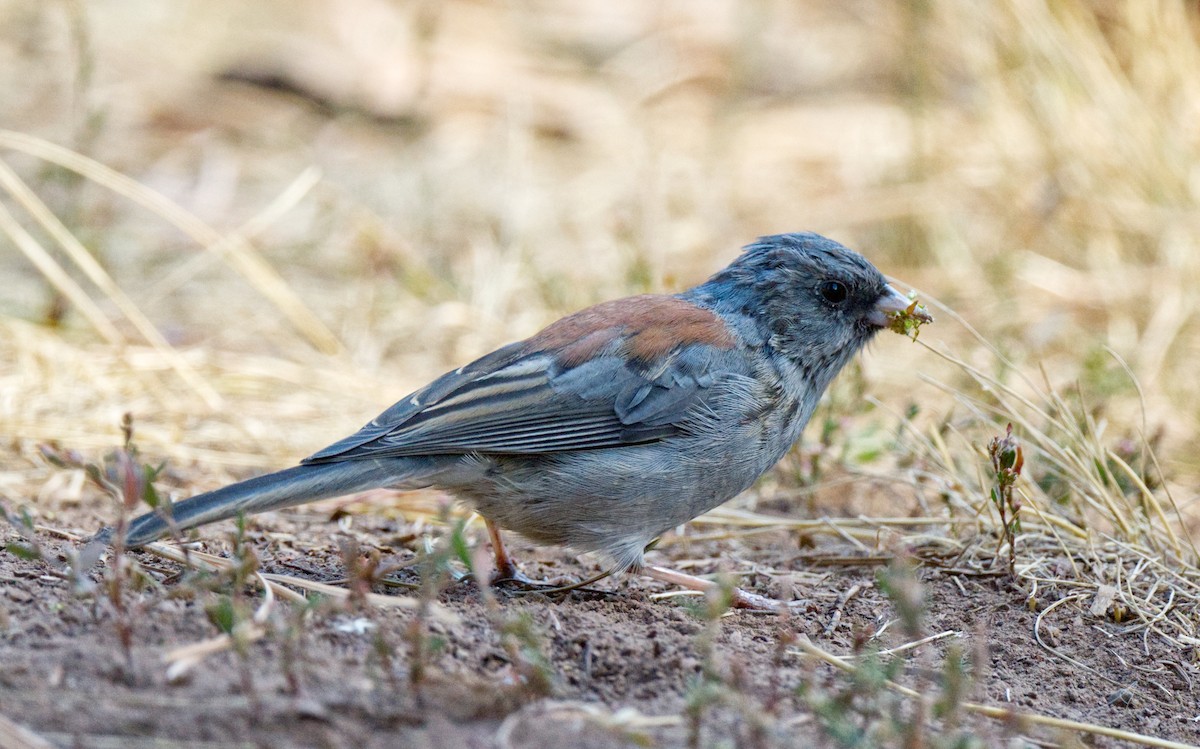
835,292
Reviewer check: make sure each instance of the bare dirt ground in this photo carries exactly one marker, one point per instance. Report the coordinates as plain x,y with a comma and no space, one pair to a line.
316,208
621,668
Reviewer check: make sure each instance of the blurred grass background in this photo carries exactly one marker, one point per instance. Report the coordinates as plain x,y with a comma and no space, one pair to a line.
379,191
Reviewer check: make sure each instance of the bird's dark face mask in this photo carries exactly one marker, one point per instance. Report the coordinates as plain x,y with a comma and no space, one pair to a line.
821,307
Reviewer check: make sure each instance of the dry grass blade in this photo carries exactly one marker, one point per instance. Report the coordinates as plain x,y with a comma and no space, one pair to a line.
622,722
1084,503
15,736
183,659
180,660
276,583
215,563
333,591
734,516
1152,455
79,254
906,647
58,277
284,202
1037,633
1075,449
1000,713
234,249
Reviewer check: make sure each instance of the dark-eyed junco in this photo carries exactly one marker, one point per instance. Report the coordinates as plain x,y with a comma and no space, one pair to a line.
613,424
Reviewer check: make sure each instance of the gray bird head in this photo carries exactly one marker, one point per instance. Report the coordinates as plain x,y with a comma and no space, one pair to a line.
817,302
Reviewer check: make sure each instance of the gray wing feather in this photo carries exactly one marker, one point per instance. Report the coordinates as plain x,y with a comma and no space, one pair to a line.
527,404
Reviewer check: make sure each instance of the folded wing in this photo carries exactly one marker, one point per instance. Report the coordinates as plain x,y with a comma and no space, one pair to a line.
620,373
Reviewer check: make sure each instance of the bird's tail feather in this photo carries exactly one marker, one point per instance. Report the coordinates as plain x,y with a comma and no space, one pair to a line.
287,488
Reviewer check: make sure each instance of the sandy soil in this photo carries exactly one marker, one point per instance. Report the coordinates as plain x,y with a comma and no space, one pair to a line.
613,650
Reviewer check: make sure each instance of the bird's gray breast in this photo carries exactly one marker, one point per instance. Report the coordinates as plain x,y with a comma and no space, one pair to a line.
595,498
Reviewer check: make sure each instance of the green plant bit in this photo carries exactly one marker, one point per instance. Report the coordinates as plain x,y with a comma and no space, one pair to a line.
1007,462
908,322
123,476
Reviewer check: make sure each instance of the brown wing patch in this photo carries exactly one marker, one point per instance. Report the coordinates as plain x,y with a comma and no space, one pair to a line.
651,325
579,351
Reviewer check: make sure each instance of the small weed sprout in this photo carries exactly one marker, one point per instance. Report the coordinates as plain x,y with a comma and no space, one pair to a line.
363,572
864,708
785,640
956,685
233,613
899,582
435,571
291,643
522,641
708,689
131,484
422,645
520,637
860,711
1007,462
28,547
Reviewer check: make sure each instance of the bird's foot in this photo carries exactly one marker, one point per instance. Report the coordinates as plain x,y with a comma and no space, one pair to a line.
506,572
510,575
517,579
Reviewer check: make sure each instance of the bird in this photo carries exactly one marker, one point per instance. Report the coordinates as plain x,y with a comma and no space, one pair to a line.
614,424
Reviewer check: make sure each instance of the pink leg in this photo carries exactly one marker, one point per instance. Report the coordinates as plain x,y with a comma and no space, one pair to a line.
505,568
507,571
741,599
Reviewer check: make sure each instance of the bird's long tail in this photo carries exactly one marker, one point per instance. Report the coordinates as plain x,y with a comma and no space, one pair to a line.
287,488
